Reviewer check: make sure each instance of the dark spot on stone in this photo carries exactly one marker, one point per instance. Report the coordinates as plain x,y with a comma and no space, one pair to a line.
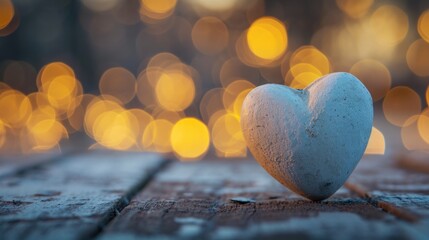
328,184
310,133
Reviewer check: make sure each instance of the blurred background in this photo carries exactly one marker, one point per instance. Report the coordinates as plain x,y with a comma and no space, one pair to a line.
170,76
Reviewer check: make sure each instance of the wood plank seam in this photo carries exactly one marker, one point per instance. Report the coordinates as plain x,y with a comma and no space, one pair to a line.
385,206
124,201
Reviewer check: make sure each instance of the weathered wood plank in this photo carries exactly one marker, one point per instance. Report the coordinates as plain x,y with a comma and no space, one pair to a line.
383,179
237,199
10,165
72,198
386,183
15,163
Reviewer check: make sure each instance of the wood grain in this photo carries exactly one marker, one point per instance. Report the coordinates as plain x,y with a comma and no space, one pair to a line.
237,199
72,198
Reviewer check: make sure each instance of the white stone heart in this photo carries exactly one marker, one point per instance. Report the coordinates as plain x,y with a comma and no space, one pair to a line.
310,140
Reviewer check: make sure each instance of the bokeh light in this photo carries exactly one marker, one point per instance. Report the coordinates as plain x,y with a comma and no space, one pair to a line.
175,90
423,25
190,138
171,76
423,125
411,138
156,9
222,5
116,129
119,83
210,35
417,58
355,8
227,137
267,38
231,93
376,144
44,131
389,24
307,64
156,137
15,108
7,12
400,104
374,75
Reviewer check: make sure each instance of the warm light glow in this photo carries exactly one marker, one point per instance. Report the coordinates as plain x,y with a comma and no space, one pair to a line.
233,69
173,117
159,6
61,92
312,56
143,120
51,71
417,58
389,24
76,117
267,38
211,102
173,75
15,108
301,75
116,129
411,138
427,95
95,108
44,131
303,80
355,8
175,90
118,82
57,80
423,25
304,67
423,125
220,5
157,136
238,102
228,138
232,91
399,104
190,138
157,9
6,13
374,75
376,144
2,133
145,90
210,35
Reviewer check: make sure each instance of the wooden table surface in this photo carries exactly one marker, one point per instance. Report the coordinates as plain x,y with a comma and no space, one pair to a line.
120,195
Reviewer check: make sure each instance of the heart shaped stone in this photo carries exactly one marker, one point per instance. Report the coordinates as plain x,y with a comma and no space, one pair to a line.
310,140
